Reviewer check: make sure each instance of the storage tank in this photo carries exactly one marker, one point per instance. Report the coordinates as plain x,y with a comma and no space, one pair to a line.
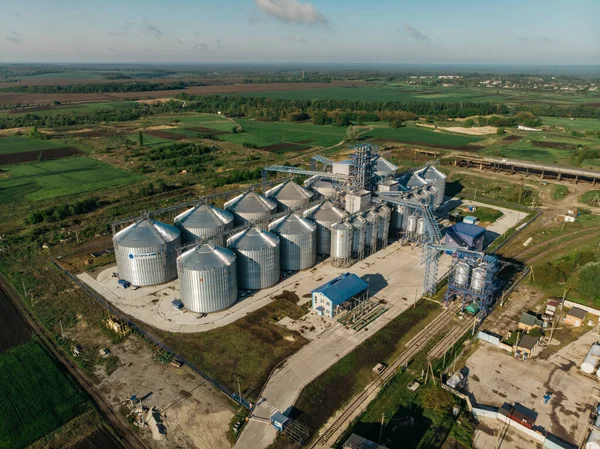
397,220
341,241
478,277
298,242
461,274
251,207
421,227
359,236
324,215
289,195
207,278
323,187
593,441
258,258
435,178
591,359
411,224
204,221
146,252
372,231
383,232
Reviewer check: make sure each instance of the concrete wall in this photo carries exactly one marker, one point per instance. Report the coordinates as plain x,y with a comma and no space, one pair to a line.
521,428
581,306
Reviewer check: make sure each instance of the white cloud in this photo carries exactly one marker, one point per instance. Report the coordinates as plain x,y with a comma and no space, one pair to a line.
291,11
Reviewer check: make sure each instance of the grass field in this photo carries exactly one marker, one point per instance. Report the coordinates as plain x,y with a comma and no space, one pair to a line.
35,396
589,196
150,141
559,191
580,124
421,136
51,179
269,133
22,144
81,108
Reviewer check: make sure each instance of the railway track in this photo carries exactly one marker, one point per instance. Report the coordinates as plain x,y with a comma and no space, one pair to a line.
450,338
413,347
589,232
554,248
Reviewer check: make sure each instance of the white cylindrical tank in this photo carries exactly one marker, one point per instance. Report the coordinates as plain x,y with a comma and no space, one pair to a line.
372,230
396,219
359,236
204,221
421,226
461,274
258,258
591,359
146,252
593,441
207,278
324,215
478,277
251,207
341,240
298,241
289,195
411,224
383,231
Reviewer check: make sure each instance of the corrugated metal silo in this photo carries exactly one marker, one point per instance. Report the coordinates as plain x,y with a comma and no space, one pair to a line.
383,232
251,207
298,242
372,231
359,236
435,178
324,215
341,243
479,277
204,221
289,195
207,278
397,220
146,252
258,258
323,187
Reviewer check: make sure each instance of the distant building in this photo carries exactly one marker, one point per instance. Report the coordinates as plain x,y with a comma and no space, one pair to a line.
465,235
336,295
571,215
357,442
527,128
575,317
529,321
470,219
528,345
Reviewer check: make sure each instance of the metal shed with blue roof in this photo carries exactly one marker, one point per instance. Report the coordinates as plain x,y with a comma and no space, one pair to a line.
465,235
337,293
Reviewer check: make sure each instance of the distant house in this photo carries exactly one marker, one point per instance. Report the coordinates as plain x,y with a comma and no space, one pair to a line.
355,441
528,345
529,321
571,215
551,307
575,317
465,235
336,295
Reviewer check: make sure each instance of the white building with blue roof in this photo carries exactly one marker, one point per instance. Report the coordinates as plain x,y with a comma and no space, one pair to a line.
337,294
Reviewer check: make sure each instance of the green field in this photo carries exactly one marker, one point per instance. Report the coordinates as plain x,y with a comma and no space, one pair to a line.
580,124
421,136
35,396
22,144
269,133
51,179
76,109
150,141
589,196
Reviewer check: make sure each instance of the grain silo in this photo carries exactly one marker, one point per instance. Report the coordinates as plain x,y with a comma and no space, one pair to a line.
341,243
207,278
251,207
359,236
204,222
289,195
372,218
324,215
258,258
479,277
298,242
323,187
383,231
437,179
146,252
397,220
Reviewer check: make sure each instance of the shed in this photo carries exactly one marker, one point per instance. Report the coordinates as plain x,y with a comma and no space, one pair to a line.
470,219
336,295
527,345
355,441
575,317
529,321
279,420
551,307
465,235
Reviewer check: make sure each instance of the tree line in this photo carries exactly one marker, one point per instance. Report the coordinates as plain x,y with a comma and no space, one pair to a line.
102,87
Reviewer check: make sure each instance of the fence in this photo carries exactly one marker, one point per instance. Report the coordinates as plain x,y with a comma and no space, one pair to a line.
588,309
148,336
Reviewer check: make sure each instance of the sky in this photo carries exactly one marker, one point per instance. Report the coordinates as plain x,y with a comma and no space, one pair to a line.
544,32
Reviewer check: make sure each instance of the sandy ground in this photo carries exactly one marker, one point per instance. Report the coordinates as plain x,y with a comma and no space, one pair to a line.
196,414
496,377
475,131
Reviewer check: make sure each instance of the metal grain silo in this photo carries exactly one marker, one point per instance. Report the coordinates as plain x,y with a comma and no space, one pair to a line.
421,228
372,218
324,215
289,195
359,236
251,207
204,221
411,225
323,187
341,243
397,220
479,277
461,274
435,178
258,258
207,278
146,252
298,242
383,231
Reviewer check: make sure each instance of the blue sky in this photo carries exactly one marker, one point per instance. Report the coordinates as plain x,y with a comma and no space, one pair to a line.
386,31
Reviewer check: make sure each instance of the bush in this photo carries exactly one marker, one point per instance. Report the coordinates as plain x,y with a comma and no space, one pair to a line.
589,286
437,399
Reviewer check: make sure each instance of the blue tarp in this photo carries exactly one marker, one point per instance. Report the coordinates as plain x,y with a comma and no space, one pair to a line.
342,288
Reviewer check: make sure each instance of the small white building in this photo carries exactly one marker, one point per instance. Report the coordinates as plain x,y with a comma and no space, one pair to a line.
337,294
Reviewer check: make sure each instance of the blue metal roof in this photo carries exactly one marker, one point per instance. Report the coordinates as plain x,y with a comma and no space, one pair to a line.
342,288
468,230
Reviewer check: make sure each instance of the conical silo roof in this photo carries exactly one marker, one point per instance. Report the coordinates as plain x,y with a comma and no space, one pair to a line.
325,212
146,233
289,191
206,257
250,202
292,225
204,216
253,239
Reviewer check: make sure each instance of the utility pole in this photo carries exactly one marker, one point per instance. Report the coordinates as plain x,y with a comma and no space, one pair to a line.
381,429
239,389
24,289
415,301
62,331
77,236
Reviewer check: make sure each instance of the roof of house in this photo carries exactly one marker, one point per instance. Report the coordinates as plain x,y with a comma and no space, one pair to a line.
342,288
528,342
576,312
552,303
530,319
467,229
355,441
